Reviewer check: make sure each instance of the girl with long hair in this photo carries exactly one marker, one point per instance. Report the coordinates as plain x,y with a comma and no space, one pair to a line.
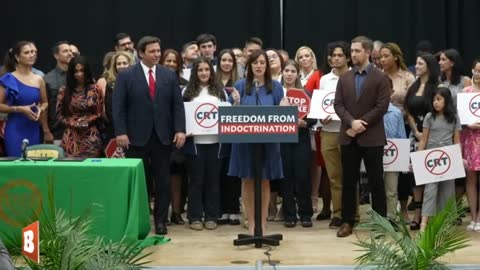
203,151
441,127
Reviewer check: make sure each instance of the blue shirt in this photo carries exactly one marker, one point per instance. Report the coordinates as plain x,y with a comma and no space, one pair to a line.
394,124
360,78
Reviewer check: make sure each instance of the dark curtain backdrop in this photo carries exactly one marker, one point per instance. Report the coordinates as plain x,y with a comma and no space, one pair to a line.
446,23
92,24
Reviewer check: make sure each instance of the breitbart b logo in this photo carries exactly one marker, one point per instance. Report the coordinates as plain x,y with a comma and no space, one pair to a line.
31,241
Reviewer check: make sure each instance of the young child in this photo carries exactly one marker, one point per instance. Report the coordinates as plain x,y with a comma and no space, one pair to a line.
441,127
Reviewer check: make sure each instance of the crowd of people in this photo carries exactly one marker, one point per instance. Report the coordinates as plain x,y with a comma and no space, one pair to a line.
138,101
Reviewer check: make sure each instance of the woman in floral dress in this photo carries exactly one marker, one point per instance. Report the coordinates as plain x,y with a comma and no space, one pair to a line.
79,107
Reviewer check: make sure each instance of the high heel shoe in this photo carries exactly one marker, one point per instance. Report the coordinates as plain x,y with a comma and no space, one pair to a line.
176,218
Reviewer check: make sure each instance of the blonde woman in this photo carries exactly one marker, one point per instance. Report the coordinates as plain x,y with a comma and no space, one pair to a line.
309,73
121,60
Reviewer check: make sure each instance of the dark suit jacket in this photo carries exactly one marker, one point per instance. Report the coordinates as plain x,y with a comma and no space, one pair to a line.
136,115
369,107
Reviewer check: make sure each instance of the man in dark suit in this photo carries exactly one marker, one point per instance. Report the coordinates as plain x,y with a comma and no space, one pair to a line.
361,100
148,115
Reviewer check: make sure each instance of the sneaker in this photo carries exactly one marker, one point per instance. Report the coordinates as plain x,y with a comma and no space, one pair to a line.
306,222
210,225
224,219
471,226
335,223
196,225
233,219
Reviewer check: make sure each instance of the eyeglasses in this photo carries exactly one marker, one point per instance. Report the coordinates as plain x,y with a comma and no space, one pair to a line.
475,72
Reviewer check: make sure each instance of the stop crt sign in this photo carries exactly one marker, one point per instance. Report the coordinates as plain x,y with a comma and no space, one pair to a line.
300,98
113,151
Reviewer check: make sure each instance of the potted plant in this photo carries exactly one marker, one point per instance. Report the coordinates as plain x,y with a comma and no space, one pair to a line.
391,246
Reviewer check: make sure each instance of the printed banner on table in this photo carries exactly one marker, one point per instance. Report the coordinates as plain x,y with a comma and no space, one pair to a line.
258,124
437,164
468,106
201,118
396,156
322,105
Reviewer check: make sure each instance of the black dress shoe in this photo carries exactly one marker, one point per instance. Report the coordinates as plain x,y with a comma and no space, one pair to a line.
161,229
324,215
176,218
335,223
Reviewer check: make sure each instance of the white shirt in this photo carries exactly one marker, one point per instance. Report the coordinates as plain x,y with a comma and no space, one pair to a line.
146,72
329,82
204,96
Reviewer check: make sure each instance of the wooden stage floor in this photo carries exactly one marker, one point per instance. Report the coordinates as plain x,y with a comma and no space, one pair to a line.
301,246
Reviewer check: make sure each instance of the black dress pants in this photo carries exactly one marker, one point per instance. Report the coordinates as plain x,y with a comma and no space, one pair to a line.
352,155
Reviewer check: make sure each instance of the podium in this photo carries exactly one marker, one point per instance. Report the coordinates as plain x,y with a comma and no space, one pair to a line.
258,125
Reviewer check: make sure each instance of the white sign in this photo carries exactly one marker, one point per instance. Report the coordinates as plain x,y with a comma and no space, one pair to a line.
321,105
201,118
468,107
396,156
437,164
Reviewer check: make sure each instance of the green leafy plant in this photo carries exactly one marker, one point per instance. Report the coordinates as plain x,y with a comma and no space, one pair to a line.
391,246
67,243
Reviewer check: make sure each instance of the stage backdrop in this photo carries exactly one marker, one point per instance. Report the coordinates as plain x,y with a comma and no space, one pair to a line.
92,24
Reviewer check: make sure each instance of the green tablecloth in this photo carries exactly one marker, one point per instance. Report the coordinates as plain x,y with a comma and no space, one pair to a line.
117,185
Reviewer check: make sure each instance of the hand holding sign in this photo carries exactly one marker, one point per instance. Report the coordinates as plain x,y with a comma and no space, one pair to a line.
235,96
326,120
284,102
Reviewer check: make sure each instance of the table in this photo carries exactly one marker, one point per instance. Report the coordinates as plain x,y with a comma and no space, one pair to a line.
115,187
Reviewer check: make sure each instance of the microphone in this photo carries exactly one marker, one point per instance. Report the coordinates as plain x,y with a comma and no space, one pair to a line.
25,143
256,83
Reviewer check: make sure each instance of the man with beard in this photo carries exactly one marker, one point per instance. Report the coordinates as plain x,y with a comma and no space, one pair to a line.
123,42
361,100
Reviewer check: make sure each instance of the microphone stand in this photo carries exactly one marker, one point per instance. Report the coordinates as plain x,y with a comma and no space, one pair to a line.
24,152
258,238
